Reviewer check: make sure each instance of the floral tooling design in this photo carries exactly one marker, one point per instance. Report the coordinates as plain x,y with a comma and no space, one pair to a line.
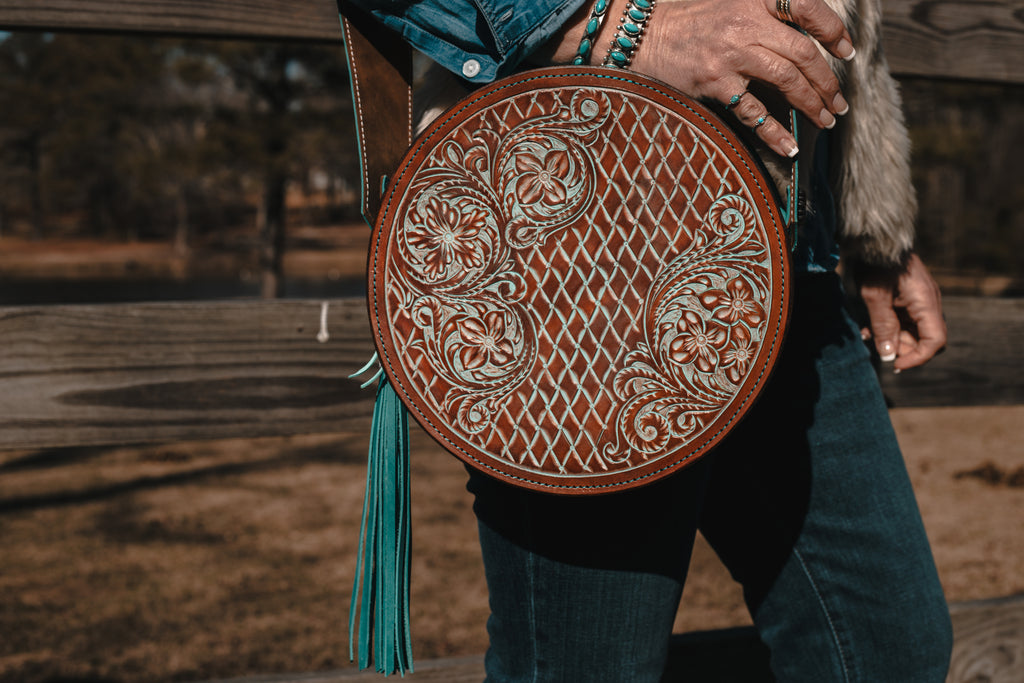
447,235
485,342
479,202
703,321
543,179
698,342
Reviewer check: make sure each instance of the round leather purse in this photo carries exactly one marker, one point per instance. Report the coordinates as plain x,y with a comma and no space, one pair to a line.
578,280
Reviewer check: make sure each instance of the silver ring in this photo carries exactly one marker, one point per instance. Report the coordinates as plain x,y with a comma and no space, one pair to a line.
760,122
782,8
735,99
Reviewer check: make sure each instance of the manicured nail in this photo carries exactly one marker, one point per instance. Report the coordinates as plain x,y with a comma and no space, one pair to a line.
865,335
840,105
793,151
846,50
826,118
887,351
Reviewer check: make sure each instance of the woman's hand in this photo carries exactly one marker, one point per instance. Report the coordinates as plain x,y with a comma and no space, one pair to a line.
714,48
914,337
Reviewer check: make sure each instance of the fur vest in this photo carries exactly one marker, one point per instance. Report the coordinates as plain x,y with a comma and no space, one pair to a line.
875,200
877,205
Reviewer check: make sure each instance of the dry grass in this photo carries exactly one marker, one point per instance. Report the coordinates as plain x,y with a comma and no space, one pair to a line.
221,559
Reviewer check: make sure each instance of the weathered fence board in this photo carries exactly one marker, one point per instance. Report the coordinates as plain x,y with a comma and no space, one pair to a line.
988,647
80,375
128,373
989,641
275,19
970,39
983,363
453,670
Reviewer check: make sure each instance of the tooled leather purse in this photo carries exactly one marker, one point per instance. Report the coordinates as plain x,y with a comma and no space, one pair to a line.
578,283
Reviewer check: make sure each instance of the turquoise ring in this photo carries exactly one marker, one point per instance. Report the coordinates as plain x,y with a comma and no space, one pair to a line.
760,122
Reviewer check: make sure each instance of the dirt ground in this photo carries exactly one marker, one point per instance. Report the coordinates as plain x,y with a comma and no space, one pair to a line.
221,559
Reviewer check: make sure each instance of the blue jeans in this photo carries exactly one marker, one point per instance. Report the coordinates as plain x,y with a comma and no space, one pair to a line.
807,503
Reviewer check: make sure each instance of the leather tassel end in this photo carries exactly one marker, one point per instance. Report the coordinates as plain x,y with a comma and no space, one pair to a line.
379,612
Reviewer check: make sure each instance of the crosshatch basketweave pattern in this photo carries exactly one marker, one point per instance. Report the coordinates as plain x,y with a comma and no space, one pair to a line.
575,285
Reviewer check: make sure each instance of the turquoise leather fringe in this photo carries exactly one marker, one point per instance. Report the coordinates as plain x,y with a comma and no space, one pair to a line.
380,606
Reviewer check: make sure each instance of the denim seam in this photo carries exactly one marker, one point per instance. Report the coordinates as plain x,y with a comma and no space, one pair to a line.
825,610
531,562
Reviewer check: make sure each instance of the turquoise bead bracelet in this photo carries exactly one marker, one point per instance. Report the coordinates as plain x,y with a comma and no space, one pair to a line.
597,16
631,29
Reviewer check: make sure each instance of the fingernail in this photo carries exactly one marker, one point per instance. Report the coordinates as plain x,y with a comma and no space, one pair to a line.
896,371
865,335
887,351
793,151
846,50
840,105
827,119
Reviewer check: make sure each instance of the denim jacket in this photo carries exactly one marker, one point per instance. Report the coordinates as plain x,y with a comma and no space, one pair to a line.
480,39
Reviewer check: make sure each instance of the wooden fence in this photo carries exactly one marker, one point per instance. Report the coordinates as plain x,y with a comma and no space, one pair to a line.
129,373
132,373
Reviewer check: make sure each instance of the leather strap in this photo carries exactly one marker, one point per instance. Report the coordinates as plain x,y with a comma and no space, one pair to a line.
380,67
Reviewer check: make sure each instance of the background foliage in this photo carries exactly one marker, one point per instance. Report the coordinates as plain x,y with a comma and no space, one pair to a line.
129,138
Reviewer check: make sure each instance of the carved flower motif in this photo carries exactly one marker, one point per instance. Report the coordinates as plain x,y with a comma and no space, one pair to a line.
447,235
734,303
698,342
737,358
542,180
485,342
